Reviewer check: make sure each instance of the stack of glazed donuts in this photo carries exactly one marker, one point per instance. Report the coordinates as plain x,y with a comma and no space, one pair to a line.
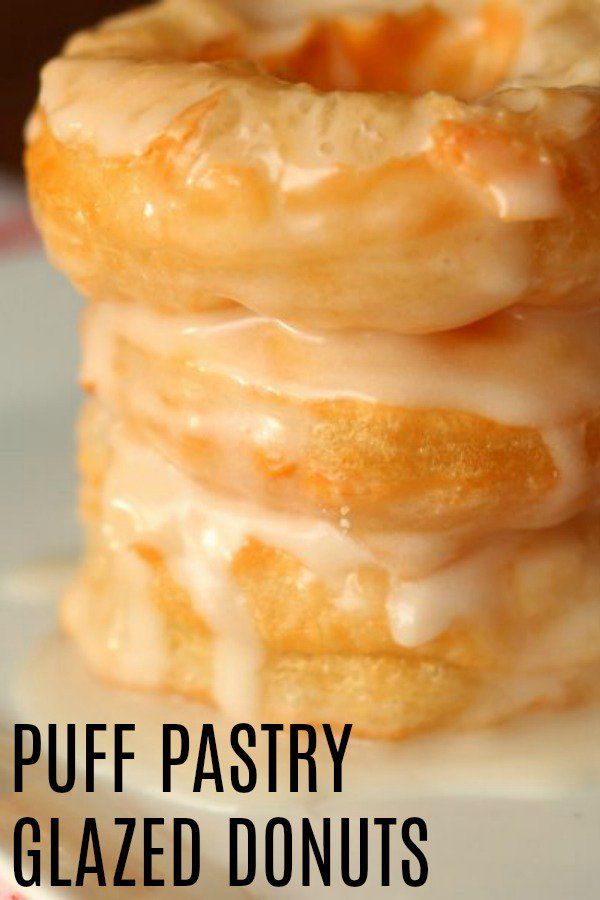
341,456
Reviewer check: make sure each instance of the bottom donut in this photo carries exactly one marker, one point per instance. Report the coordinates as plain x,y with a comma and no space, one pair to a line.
182,592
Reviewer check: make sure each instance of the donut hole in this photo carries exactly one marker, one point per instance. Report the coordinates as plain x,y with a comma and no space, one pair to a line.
423,50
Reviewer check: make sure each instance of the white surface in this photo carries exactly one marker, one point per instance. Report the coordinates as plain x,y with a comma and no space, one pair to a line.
514,817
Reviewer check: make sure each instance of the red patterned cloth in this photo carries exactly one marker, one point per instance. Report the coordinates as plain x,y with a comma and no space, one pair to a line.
7,893
16,228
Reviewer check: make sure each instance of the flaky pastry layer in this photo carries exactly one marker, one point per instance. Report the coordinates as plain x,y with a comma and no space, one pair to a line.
441,163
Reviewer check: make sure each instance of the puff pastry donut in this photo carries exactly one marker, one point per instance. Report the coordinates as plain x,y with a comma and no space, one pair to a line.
441,163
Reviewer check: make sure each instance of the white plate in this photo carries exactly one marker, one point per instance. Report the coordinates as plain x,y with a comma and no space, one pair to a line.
510,814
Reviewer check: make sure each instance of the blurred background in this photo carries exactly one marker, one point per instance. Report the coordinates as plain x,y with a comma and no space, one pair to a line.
31,31
38,316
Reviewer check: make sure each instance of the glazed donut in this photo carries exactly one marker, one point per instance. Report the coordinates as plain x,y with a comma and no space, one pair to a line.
154,608
406,166
382,430
384,696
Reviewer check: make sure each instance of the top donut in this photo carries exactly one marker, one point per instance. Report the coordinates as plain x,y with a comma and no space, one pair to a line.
405,166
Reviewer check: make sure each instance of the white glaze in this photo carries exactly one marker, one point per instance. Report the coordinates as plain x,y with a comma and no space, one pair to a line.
421,610
133,646
534,368
107,93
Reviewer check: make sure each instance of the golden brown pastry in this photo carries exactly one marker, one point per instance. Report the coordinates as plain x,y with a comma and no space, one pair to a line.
440,164
483,427
258,612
